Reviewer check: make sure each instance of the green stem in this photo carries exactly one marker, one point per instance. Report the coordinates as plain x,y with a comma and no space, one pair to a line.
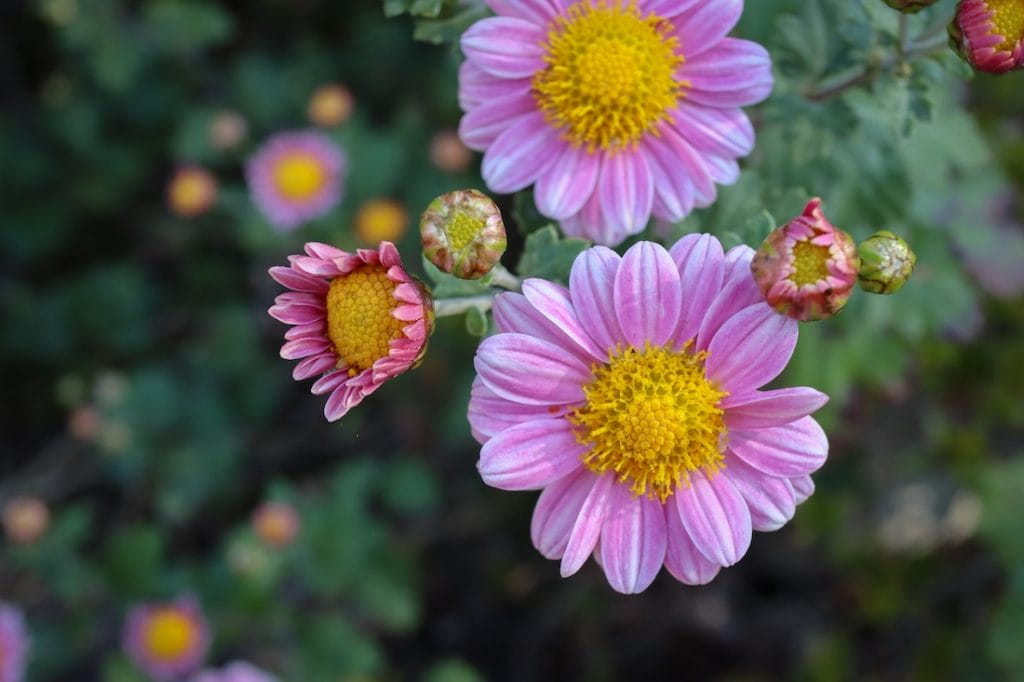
447,307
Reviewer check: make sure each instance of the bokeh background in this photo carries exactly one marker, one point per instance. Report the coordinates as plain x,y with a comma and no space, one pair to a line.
145,403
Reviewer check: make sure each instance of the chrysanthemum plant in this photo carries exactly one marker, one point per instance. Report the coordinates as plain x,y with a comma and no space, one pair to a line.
629,361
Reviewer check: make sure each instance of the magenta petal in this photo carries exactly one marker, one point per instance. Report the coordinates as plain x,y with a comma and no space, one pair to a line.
751,349
626,191
701,265
513,313
684,167
587,529
737,73
724,132
760,409
301,348
521,154
647,295
566,186
531,371
298,281
791,450
314,365
482,125
553,302
716,518
557,510
769,498
344,399
633,540
803,488
590,224
490,414
704,25
682,559
674,191
592,287
505,46
738,291
539,12
530,455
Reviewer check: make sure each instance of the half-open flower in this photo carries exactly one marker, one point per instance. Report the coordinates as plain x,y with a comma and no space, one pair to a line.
358,319
989,34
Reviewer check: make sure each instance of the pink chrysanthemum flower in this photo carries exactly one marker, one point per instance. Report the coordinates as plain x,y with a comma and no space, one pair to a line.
989,34
632,399
239,671
295,177
359,319
167,639
614,109
14,644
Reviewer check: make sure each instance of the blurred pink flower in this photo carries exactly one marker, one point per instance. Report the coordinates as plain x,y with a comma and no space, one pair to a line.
989,34
14,643
631,398
166,639
295,177
358,320
614,110
239,671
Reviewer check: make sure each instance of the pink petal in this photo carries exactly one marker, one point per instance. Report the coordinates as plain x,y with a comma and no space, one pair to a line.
587,529
344,399
633,540
716,518
803,488
293,313
566,186
591,224
682,559
477,86
298,281
592,286
760,409
738,291
626,191
667,9
480,127
312,366
553,302
647,295
701,265
705,24
736,73
521,154
724,132
531,455
557,510
527,370
301,348
505,46
513,313
689,178
751,349
490,414
769,498
792,450
539,12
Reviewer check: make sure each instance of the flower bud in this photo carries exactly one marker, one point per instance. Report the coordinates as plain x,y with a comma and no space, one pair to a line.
191,191
448,154
909,6
886,263
276,524
989,34
25,519
331,105
463,233
807,268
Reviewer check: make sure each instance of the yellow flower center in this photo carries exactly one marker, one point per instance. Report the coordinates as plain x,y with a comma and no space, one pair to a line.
191,191
381,220
652,417
611,74
299,176
169,634
463,227
1007,22
359,320
810,262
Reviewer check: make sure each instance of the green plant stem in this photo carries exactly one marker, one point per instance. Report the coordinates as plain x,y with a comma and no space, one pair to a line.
447,307
501,277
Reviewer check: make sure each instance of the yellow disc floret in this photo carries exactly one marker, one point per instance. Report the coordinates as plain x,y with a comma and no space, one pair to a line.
652,417
169,634
610,75
462,228
299,176
359,320
810,263
1007,22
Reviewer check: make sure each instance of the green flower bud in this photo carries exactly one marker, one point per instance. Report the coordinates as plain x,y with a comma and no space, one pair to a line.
886,263
463,234
909,6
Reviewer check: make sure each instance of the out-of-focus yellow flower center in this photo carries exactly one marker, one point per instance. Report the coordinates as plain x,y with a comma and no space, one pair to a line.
169,634
191,192
381,220
463,227
359,320
611,74
810,263
652,417
330,106
299,176
1007,22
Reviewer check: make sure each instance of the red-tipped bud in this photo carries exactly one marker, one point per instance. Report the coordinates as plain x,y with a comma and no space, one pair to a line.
463,234
989,34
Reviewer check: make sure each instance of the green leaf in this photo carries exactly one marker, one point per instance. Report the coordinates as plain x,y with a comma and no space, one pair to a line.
448,286
453,670
548,257
476,322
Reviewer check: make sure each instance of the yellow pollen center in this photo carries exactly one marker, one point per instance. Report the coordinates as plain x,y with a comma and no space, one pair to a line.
462,229
610,75
1007,22
190,192
810,263
169,634
359,320
299,176
652,417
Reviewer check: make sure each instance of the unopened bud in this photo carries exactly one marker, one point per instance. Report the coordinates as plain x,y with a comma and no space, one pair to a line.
191,191
807,268
330,105
448,153
989,34
463,233
909,6
276,524
886,263
25,519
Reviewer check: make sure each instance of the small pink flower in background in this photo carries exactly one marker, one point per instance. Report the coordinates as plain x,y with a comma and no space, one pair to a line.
615,111
167,639
989,34
296,177
358,319
239,671
14,643
631,398
25,519
807,269
276,524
